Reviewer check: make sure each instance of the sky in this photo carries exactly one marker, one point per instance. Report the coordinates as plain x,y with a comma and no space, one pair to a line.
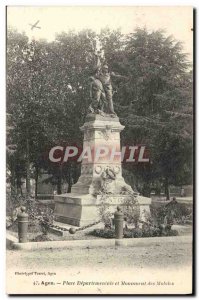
176,21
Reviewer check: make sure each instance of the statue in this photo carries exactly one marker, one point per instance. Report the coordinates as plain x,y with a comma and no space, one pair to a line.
97,94
101,91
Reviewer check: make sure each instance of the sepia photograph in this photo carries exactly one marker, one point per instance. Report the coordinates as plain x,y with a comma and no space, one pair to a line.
99,150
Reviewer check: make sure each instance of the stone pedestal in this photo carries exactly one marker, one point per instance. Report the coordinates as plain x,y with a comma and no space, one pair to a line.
102,157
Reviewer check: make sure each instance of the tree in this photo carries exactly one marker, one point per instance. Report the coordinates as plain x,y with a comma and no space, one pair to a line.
48,98
156,101
25,76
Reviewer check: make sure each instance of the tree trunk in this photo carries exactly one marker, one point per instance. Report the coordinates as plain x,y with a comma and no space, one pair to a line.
70,180
27,167
19,189
59,187
166,186
59,180
36,180
12,180
146,190
69,188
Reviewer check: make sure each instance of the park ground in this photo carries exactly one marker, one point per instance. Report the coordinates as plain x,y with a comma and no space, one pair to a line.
157,254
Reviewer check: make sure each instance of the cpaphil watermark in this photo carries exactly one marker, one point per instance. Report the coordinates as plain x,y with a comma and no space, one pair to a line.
100,153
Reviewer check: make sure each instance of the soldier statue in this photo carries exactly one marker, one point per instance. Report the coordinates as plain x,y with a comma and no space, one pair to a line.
101,91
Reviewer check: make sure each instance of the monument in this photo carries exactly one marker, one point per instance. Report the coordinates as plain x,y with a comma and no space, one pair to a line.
101,169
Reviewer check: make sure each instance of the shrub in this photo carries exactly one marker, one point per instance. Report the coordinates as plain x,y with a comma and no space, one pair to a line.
146,231
39,218
104,213
45,220
103,233
13,203
131,211
41,238
175,213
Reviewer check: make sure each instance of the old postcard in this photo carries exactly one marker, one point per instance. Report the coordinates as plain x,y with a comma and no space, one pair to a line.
99,150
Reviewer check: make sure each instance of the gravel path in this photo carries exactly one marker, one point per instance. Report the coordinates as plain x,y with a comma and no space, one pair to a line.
158,255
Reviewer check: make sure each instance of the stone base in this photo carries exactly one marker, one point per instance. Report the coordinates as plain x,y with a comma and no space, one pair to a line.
74,209
81,210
